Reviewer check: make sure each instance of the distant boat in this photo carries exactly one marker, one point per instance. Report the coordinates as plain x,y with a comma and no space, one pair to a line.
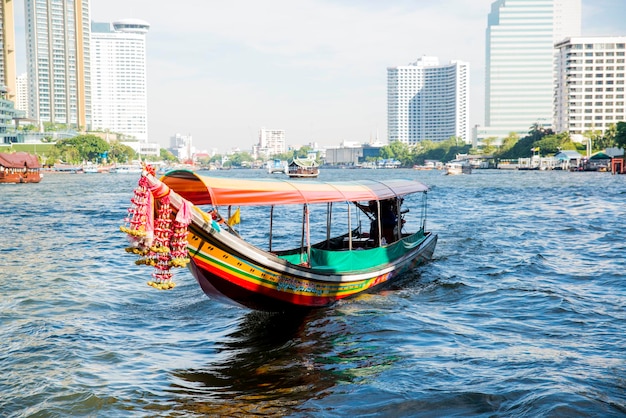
19,167
67,168
95,169
126,168
277,166
303,167
90,169
458,167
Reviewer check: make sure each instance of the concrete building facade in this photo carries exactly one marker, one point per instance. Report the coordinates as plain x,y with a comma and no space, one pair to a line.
589,93
520,53
119,79
21,97
271,142
58,61
428,101
7,57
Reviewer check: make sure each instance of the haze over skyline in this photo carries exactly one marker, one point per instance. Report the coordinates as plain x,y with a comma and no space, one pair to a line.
220,71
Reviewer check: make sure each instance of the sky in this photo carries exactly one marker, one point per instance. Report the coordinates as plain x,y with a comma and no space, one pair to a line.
222,70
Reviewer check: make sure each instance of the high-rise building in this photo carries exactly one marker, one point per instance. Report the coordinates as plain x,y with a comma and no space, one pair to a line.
182,147
58,61
271,142
589,94
7,42
118,73
520,54
21,98
428,101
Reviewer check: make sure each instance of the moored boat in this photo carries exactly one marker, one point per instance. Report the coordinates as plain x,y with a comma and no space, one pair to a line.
229,268
19,167
303,167
454,168
277,166
126,169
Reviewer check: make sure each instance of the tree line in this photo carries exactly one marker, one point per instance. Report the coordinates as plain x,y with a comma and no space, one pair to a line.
539,140
92,148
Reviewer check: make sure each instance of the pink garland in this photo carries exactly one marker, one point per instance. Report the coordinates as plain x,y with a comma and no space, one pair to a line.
161,243
139,223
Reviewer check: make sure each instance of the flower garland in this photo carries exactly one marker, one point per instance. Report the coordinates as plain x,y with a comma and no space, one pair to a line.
161,243
139,222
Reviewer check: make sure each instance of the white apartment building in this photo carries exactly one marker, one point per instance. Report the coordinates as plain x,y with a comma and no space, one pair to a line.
119,82
182,147
520,53
428,101
21,97
589,93
58,61
271,142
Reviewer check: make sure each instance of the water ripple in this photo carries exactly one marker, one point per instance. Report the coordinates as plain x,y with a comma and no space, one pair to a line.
521,313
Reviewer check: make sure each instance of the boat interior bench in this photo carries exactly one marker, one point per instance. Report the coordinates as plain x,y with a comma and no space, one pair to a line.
346,261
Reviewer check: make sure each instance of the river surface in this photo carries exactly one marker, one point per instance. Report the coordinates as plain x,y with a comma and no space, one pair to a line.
521,313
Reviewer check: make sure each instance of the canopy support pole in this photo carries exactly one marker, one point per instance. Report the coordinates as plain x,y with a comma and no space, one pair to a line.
378,225
308,233
349,227
271,225
398,218
329,215
305,233
424,210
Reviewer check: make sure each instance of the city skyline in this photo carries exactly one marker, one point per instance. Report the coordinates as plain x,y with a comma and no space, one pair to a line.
316,69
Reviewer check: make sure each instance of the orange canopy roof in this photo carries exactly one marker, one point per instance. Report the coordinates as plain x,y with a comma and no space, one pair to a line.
221,191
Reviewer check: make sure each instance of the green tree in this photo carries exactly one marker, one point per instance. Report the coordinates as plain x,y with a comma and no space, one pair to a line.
120,153
89,147
54,127
608,139
508,143
549,144
167,156
620,134
595,136
303,151
29,127
488,147
521,148
397,151
285,156
537,132
239,158
53,155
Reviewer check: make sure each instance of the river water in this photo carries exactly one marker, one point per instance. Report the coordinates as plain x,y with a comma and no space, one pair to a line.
522,313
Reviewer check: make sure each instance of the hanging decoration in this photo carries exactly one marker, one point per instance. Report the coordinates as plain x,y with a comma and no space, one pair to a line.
160,242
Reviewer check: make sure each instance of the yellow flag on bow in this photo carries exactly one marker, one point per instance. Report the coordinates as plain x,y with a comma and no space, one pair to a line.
235,218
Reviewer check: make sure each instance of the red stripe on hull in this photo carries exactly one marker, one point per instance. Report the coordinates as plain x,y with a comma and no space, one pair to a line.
219,284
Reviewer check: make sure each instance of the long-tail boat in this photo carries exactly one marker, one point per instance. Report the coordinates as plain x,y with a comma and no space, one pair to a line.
177,221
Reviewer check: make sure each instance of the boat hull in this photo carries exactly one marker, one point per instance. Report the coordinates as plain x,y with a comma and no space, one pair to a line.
239,279
30,177
303,175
